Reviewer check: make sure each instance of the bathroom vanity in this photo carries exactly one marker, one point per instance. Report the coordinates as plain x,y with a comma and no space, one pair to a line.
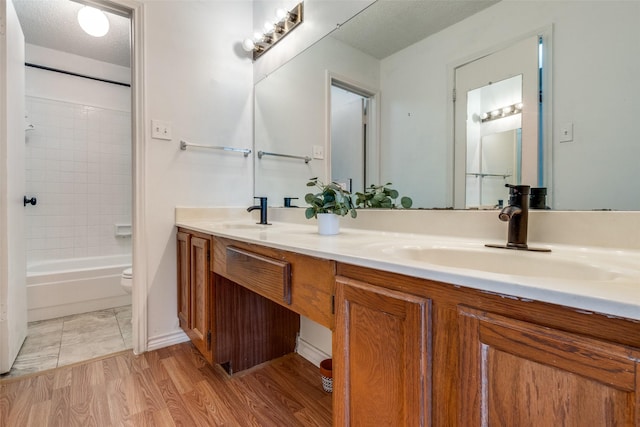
414,343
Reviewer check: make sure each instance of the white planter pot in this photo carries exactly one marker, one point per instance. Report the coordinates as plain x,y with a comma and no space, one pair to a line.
328,224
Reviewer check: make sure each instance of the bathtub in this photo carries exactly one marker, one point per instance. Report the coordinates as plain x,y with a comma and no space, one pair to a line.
78,285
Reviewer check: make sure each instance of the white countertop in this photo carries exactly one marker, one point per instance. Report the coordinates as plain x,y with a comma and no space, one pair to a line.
616,293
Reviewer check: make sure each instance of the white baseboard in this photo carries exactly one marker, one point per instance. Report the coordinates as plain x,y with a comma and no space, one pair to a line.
310,352
160,341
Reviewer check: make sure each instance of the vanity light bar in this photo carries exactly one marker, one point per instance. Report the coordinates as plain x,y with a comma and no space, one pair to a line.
500,113
285,22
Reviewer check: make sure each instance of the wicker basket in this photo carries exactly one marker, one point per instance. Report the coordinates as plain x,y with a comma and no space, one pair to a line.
326,373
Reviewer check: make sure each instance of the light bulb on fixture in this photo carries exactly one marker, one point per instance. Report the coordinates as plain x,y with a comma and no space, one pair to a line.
281,14
248,45
93,21
269,27
273,32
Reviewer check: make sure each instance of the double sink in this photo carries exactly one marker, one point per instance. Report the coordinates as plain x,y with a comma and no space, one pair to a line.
562,263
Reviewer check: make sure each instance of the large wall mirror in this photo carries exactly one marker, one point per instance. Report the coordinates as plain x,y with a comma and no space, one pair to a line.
403,55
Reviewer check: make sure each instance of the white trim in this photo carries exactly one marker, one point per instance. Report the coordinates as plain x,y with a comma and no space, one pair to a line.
140,252
310,352
5,364
138,137
165,340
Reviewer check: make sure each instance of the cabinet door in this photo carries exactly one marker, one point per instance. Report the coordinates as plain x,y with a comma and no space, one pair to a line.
200,296
382,372
515,373
184,287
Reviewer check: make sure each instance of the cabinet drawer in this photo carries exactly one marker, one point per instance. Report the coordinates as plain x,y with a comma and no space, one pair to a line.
266,276
260,269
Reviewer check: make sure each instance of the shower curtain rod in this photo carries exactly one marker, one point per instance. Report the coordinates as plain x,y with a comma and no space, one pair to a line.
56,70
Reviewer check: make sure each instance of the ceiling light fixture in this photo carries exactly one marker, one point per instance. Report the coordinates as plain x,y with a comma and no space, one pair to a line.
93,21
283,24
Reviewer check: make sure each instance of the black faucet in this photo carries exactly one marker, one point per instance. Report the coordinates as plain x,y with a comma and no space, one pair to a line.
263,210
517,214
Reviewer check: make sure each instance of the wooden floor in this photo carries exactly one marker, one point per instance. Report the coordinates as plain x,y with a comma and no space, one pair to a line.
172,386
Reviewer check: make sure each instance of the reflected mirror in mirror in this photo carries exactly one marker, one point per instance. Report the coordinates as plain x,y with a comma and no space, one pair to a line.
595,93
494,142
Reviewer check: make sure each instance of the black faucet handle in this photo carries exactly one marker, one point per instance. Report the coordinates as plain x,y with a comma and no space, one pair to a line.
518,189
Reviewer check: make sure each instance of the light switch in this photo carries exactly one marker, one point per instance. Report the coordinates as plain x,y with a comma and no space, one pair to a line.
318,152
566,132
160,129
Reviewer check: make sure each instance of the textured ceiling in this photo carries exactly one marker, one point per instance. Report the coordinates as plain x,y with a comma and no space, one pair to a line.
388,26
380,30
53,24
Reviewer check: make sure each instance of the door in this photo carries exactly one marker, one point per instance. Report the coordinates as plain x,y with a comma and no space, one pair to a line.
348,138
515,373
13,291
383,376
184,280
504,80
200,322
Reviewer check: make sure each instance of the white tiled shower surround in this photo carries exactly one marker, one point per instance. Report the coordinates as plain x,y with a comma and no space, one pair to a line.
78,161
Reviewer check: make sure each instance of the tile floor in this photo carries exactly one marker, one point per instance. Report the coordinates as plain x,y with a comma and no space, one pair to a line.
57,342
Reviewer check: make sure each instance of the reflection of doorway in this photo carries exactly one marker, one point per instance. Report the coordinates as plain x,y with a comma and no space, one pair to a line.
498,81
350,135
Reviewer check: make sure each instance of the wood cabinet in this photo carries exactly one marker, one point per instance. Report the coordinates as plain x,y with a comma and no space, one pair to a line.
491,360
381,357
516,373
234,325
300,283
410,351
195,290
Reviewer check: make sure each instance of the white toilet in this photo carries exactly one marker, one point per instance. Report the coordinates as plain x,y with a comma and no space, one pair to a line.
126,280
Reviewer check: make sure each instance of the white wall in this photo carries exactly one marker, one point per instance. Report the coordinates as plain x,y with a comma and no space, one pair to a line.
78,157
590,41
291,116
197,78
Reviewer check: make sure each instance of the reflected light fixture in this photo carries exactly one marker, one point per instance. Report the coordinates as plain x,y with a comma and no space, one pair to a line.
93,21
284,22
499,113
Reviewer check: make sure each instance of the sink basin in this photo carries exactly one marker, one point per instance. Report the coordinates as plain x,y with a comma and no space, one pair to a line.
511,262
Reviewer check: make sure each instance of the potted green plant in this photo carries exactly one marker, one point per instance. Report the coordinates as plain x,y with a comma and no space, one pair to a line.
328,204
382,196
